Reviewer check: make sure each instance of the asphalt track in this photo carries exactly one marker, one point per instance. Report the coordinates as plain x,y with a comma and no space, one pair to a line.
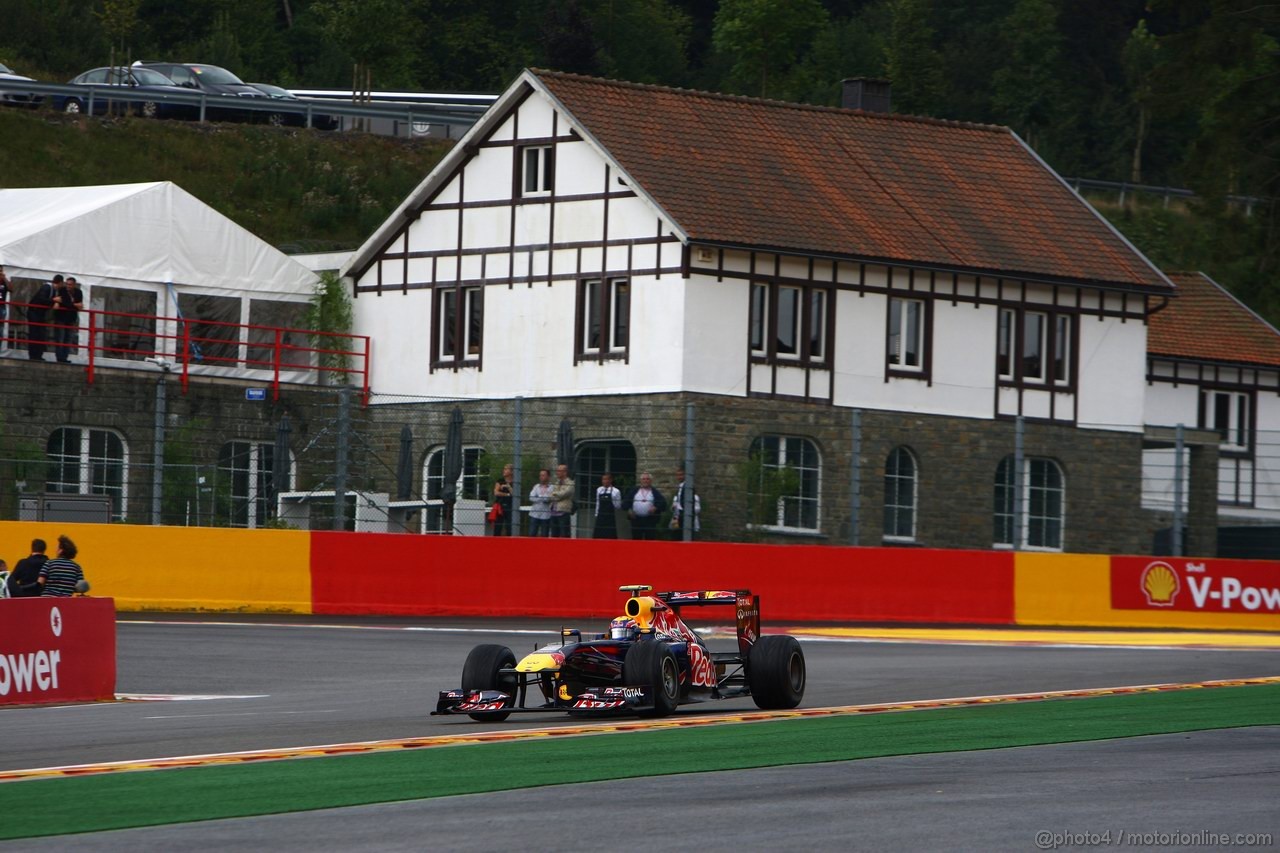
339,681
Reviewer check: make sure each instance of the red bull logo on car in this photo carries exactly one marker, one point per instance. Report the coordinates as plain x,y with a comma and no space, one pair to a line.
1208,586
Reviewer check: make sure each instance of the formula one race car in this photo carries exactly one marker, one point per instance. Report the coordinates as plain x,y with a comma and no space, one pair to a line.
648,663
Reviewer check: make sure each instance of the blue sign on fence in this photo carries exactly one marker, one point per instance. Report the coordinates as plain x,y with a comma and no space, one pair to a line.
255,393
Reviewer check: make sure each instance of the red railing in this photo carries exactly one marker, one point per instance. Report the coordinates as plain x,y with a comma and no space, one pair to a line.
184,342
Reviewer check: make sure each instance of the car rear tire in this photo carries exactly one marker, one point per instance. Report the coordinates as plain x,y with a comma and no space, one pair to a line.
777,672
73,107
275,120
650,663
480,672
148,109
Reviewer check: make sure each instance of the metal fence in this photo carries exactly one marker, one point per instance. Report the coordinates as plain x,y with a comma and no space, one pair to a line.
754,470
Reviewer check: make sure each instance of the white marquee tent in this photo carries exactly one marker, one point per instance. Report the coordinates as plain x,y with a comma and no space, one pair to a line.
151,249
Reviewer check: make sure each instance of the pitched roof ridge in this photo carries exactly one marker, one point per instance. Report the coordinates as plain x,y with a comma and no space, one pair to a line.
770,102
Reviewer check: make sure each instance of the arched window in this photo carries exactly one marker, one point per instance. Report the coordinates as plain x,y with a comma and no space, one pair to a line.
468,484
593,458
786,479
1043,500
85,461
245,491
900,487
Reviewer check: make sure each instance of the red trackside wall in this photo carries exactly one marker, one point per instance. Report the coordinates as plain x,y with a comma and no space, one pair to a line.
362,573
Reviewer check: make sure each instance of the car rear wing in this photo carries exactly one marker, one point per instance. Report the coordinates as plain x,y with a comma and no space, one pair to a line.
746,605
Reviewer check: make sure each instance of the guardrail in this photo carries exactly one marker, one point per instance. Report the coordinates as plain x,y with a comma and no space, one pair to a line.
180,343
204,103
1123,189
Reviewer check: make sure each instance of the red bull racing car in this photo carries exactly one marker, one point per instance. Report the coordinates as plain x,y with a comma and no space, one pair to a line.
648,663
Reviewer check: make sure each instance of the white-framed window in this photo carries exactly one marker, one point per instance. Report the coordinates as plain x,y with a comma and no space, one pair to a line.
459,324
788,322
244,494
1043,500
908,330
901,485
793,462
537,170
1228,414
85,461
1034,347
1005,339
468,484
604,317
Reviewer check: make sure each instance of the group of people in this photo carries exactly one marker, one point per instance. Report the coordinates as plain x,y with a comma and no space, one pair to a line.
53,313
552,505
37,575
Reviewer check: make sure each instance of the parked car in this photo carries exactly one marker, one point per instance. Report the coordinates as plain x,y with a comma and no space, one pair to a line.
322,121
211,80
17,99
139,80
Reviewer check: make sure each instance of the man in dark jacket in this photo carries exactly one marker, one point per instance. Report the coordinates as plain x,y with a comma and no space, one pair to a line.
38,317
643,504
24,580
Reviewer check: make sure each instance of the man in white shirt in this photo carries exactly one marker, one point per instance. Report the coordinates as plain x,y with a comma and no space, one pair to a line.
677,507
644,504
608,502
540,509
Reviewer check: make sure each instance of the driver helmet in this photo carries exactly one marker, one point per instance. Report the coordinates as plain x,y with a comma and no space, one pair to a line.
623,628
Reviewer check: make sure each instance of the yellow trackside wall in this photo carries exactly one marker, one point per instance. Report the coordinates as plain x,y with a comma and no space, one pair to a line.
1075,589
181,568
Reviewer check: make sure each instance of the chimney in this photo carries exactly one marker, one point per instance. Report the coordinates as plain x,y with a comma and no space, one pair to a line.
870,94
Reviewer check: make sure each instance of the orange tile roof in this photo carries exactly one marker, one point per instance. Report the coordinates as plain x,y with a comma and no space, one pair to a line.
745,171
1207,323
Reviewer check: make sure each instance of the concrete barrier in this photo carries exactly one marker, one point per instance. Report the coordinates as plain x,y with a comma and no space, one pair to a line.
182,568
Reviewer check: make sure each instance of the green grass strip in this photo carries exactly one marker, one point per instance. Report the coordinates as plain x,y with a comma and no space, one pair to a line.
149,798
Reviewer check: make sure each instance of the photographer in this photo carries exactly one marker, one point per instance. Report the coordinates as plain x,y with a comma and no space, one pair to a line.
68,300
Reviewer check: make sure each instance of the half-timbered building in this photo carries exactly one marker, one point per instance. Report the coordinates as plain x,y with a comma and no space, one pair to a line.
1214,365
593,237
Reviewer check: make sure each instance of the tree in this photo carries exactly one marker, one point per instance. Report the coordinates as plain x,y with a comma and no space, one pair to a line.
1141,57
765,36
1025,90
912,60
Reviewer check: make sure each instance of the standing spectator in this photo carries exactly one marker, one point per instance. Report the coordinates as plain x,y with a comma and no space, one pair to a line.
5,290
677,507
24,581
59,576
37,316
608,502
562,503
68,301
540,509
644,504
502,497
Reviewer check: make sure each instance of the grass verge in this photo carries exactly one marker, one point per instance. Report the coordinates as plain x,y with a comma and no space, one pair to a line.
174,796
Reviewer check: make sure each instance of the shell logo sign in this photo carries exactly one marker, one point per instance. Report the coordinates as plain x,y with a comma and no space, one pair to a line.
1202,586
1160,584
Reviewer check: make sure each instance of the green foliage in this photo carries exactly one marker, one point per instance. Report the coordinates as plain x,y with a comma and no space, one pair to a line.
331,311
913,61
1024,92
329,190
762,36
764,486
181,471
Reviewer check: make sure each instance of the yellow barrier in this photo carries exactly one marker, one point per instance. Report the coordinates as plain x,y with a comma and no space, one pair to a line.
181,568
1075,589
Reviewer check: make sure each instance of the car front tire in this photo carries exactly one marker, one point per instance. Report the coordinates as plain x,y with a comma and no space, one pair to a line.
652,664
480,672
72,106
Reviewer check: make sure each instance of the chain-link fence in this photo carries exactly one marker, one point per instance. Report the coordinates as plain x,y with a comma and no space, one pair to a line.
759,469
